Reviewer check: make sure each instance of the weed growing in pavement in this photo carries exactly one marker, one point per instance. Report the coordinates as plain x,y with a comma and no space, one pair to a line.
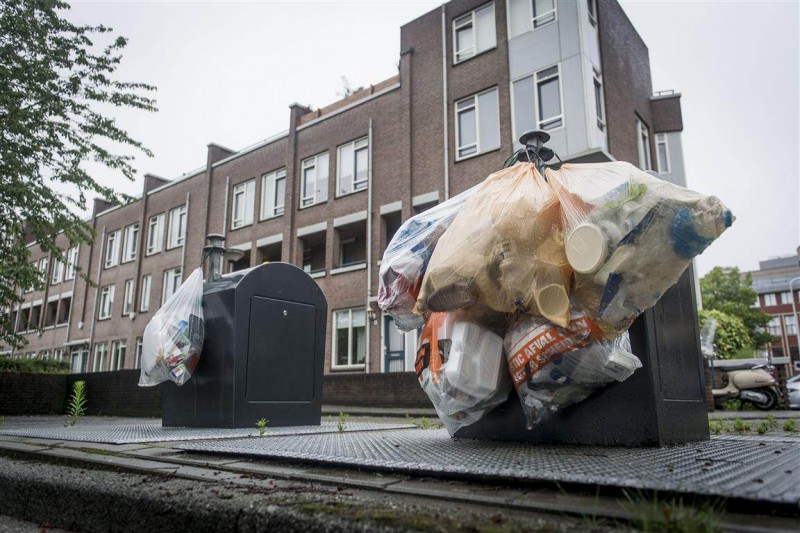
763,428
732,405
740,426
772,422
262,426
650,514
790,425
715,426
77,404
341,424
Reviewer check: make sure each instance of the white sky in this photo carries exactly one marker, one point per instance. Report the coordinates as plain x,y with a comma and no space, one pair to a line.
226,72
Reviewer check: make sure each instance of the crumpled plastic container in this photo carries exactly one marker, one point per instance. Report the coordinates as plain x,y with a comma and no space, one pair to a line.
461,368
553,367
505,249
629,236
406,259
173,339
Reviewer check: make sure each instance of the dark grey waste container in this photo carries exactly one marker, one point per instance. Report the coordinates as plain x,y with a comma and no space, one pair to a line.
663,402
263,353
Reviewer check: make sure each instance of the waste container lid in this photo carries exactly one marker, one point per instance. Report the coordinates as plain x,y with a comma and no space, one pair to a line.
586,248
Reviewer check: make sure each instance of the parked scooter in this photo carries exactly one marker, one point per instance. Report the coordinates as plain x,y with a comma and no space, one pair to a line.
750,382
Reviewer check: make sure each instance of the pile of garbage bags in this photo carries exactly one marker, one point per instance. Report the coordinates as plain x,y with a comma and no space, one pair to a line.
531,282
173,339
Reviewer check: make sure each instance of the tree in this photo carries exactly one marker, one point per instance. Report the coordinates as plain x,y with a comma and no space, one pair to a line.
54,81
731,334
728,291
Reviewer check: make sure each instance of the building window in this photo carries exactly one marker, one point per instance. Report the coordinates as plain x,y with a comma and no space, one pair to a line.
350,346
244,197
643,143
790,323
172,280
127,302
662,153
786,298
106,302
58,271
131,243
313,249
599,104
474,33
543,12
100,352
537,101
144,303
774,326
34,318
50,313
118,349
591,6
315,180
770,300
177,227
44,355
155,234
64,308
112,249
477,124
273,193
44,263
137,361
352,170
352,240
58,354
72,263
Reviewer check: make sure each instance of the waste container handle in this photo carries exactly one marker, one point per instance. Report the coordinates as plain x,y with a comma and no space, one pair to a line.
534,152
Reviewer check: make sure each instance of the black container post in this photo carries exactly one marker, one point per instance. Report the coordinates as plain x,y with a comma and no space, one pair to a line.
263,353
663,402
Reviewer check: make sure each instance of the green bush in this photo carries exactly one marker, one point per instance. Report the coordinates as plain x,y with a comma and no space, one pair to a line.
731,335
34,366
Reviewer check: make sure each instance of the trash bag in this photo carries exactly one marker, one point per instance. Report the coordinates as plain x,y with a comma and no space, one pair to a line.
629,236
173,339
461,368
406,258
553,367
505,249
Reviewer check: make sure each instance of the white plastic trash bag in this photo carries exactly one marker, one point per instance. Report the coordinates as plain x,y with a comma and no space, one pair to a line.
173,338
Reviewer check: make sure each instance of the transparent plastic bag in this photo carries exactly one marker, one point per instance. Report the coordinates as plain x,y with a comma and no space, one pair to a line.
406,258
629,236
461,368
505,249
173,339
553,367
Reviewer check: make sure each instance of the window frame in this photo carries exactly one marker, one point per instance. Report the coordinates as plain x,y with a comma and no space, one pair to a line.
599,99
643,144
316,166
471,19
181,215
247,190
591,8
106,307
137,355
95,366
155,237
534,16
177,274
538,122
58,272
112,249
144,301
270,181
661,138
790,324
117,346
130,246
770,299
334,344
479,150
354,144
71,267
129,297
786,297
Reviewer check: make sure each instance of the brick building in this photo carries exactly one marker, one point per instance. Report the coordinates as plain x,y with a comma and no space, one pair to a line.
772,283
328,193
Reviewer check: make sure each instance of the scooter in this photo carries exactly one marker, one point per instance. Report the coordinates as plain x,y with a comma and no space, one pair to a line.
750,382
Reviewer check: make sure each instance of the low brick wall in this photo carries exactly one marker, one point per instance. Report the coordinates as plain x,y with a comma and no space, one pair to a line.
395,389
118,393
32,394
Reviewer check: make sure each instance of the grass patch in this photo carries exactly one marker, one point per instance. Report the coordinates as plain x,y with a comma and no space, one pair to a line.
673,515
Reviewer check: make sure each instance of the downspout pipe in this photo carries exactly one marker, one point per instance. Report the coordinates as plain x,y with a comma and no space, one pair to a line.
369,246
185,238
444,106
97,292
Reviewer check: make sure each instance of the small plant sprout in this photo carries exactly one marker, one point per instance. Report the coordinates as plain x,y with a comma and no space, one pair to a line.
740,426
77,404
772,422
715,427
341,425
262,426
790,425
763,428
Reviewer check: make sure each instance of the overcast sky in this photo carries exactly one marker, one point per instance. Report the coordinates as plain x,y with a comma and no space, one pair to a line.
226,73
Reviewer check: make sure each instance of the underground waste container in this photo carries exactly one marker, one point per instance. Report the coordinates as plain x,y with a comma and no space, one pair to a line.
263,353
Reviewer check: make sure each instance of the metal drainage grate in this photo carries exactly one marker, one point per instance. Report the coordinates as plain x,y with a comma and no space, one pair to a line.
761,471
131,434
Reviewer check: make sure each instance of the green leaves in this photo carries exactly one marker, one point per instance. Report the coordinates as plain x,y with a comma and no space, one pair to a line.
731,335
77,403
56,80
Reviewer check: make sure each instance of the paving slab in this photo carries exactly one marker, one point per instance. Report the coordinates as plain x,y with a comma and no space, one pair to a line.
757,470
139,433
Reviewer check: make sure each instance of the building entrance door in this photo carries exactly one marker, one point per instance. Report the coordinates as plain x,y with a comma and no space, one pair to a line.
394,347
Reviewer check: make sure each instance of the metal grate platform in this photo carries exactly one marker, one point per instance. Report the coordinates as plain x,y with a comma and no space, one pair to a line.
132,434
760,471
